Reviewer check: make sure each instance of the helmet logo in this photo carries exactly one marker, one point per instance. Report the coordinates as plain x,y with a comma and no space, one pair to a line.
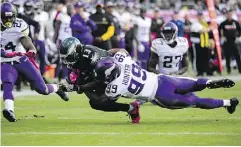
9,13
108,71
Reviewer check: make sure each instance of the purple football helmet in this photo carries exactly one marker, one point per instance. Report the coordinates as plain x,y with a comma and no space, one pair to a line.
8,14
169,32
106,70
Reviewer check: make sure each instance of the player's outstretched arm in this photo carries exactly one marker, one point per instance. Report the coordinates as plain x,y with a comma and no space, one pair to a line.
153,61
94,96
27,44
115,50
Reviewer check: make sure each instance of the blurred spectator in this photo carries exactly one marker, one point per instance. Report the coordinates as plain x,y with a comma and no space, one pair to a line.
180,24
156,24
200,39
82,25
105,28
219,6
200,5
230,30
116,37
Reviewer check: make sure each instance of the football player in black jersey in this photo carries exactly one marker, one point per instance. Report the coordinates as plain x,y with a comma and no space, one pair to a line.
81,59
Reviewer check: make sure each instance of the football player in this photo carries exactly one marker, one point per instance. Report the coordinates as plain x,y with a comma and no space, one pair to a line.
81,59
169,52
125,77
14,59
62,31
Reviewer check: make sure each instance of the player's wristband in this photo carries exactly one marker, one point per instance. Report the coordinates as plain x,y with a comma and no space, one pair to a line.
30,54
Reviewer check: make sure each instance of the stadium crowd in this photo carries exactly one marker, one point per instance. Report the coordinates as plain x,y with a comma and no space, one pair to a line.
132,25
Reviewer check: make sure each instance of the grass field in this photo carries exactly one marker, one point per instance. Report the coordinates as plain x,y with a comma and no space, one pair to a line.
47,120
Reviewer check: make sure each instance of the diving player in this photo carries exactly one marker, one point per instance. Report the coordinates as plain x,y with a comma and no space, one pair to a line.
81,59
15,60
125,78
169,52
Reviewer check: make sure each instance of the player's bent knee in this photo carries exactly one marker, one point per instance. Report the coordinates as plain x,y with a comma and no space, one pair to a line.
95,105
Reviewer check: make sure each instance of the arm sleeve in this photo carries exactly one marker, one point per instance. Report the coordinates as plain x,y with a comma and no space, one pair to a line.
35,24
109,33
110,30
77,26
238,29
153,47
92,24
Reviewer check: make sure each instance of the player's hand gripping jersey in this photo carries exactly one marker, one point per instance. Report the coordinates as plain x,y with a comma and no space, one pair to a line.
132,81
169,58
10,39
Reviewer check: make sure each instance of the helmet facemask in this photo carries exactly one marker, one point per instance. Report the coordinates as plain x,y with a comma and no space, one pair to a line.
71,57
8,19
169,35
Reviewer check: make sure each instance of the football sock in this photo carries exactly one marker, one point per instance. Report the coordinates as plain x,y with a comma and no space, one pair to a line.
52,88
9,104
226,103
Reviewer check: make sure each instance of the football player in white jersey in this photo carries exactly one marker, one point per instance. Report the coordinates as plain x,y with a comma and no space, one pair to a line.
143,35
169,52
125,78
14,59
62,31
42,18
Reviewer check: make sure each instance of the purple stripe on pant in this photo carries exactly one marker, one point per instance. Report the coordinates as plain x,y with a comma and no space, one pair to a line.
168,97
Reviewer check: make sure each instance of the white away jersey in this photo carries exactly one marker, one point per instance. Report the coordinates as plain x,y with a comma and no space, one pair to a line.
64,30
10,39
169,58
132,81
144,25
42,19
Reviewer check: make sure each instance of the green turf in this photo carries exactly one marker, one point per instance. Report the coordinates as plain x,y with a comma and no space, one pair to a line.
75,123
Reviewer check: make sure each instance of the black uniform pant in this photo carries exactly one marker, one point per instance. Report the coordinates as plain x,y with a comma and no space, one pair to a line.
201,59
231,50
114,41
106,45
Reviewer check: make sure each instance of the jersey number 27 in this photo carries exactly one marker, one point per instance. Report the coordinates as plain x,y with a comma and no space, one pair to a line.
168,61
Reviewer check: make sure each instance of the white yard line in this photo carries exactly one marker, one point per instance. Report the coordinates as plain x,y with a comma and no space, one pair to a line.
123,133
164,118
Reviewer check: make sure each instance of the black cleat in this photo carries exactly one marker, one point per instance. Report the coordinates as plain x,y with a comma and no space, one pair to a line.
9,115
224,83
62,95
234,102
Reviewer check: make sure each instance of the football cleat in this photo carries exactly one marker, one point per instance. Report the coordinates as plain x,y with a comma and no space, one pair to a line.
62,95
134,114
223,83
9,115
234,102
